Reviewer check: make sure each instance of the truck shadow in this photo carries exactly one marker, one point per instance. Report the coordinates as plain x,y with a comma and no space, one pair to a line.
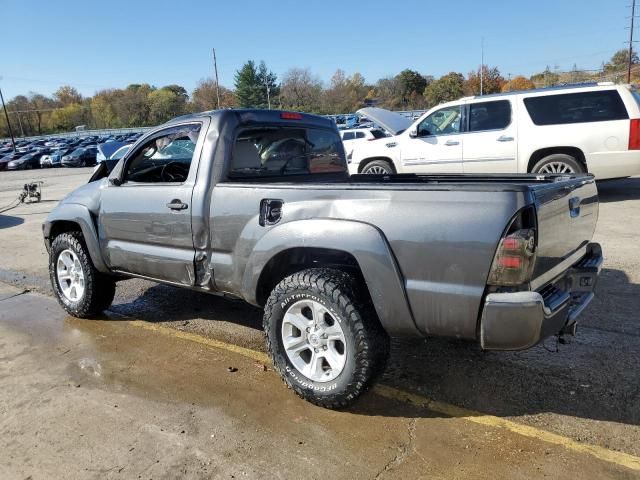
593,376
8,221
619,190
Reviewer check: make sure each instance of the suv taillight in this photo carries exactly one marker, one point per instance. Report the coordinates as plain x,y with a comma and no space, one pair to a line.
515,255
634,134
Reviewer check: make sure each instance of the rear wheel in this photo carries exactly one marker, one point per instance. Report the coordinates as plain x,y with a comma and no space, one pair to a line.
81,289
558,163
378,167
324,337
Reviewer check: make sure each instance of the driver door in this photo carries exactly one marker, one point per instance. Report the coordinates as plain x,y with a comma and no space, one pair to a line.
436,146
145,211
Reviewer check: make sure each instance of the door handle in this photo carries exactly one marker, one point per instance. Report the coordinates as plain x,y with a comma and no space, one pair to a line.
176,204
504,138
451,143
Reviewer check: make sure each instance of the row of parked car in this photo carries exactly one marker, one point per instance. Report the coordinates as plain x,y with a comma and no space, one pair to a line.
63,152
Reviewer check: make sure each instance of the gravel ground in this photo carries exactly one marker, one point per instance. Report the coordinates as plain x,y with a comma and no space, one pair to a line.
588,389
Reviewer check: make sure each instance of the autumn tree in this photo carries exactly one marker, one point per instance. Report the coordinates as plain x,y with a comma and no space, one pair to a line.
447,88
67,95
492,81
619,61
345,94
518,83
546,78
301,90
204,96
167,102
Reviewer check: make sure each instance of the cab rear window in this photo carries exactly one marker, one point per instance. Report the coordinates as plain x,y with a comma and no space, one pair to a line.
277,151
582,107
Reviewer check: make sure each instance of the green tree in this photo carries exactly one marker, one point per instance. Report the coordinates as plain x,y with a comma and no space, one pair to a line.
266,80
166,103
447,88
412,85
67,117
546,78
248,91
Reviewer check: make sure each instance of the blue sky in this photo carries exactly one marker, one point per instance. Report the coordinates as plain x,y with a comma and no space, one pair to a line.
96,45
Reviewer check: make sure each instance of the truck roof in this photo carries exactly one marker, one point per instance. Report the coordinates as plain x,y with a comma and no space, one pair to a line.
261,116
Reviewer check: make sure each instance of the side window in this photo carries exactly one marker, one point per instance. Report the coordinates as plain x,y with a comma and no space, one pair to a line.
441,122
598,106
489,115
348,136
164,158
360,135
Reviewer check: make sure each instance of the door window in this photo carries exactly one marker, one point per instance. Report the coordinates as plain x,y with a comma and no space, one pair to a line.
360,135
494,115
445,121
165,158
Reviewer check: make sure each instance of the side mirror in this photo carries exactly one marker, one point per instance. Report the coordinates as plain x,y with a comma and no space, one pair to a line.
413,133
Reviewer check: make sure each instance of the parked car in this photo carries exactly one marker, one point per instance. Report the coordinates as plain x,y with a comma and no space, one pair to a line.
339,263
80,157
354,137
569,129
25,162
4,161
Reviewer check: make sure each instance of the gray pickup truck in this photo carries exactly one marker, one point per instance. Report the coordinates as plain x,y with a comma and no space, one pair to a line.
258,205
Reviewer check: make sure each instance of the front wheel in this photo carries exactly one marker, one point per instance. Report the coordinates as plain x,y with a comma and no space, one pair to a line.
324,337
558,163
378,167
81,289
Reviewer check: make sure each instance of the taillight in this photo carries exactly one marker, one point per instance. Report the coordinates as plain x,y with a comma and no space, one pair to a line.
634,134
291,116
513,262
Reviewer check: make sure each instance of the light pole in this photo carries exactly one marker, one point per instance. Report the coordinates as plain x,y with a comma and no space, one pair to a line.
215,66
4,107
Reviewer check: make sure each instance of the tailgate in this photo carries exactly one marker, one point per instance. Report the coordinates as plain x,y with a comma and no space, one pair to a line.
567,212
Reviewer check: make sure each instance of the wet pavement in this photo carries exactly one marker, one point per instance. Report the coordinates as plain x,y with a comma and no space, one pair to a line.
108,399
587,391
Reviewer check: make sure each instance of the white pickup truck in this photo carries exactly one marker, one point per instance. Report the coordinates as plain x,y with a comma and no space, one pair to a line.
592,128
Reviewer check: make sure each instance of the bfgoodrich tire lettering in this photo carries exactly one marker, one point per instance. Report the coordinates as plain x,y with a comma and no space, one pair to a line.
99,289
366,344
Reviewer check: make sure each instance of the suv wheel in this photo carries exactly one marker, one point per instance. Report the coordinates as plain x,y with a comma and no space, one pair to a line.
326,344
558,163
378,167
81,290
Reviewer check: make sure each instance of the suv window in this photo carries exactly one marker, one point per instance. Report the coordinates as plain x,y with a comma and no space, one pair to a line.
377,133
441,122
286,151
359,134
598,106
348,136
489,115
164,158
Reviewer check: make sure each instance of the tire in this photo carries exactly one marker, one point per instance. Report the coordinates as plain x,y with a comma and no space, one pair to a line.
365,345
378,167
558,163
94,294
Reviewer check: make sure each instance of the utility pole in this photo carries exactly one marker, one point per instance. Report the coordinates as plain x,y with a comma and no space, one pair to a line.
13,140
215,67
482,65
633,15
266,84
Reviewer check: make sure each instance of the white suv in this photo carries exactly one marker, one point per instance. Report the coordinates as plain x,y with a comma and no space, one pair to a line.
591,128
353,137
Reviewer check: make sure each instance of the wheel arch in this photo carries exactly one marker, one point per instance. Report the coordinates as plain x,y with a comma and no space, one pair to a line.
364,162
539,154
73,217
356,247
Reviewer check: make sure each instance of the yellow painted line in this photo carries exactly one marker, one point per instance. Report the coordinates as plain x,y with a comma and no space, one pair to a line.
194,337
619,458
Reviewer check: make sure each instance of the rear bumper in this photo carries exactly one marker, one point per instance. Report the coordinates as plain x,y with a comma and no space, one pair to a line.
519,320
